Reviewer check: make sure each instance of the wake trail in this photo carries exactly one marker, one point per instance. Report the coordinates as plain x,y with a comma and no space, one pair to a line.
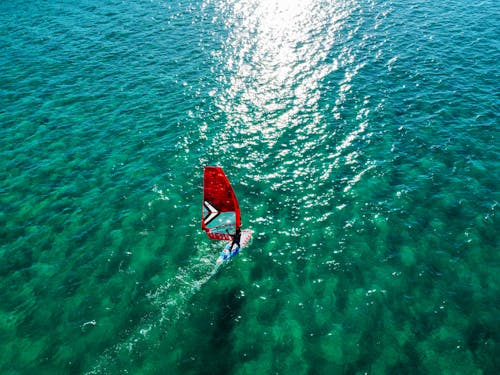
170,300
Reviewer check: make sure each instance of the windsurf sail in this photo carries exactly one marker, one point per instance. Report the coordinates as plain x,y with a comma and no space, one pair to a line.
220,212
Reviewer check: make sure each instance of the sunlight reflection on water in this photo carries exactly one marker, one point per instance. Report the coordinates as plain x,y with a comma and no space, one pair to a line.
274,63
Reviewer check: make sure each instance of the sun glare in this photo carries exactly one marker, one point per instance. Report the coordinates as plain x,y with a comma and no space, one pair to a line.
273,67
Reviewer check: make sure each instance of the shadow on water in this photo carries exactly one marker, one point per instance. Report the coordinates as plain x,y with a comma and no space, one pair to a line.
211,353
224,321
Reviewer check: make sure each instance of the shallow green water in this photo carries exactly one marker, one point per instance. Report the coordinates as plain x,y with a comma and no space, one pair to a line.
360,137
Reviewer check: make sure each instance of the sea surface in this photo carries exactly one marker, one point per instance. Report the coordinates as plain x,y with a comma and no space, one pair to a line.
361,138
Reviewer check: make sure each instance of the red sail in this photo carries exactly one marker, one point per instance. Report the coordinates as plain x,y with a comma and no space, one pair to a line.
221,212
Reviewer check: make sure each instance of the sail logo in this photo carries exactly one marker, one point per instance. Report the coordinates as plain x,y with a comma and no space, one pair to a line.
212,212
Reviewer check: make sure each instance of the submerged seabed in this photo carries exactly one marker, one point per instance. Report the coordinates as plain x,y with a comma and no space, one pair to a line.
361,139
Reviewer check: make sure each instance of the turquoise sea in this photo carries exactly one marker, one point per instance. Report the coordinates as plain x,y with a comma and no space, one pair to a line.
360,136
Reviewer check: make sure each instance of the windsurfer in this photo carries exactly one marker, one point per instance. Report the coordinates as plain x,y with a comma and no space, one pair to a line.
236,239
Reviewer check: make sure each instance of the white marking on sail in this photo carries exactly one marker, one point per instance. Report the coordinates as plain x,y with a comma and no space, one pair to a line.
213,213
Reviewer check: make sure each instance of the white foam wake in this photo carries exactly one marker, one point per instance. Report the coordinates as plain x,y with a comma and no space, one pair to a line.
170,299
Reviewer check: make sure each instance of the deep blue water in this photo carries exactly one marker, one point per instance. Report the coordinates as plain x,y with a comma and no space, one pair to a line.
361,138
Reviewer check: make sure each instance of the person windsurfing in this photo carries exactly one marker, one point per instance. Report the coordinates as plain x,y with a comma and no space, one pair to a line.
236,237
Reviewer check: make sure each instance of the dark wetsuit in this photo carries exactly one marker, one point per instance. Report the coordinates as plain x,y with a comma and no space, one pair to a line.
236,239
